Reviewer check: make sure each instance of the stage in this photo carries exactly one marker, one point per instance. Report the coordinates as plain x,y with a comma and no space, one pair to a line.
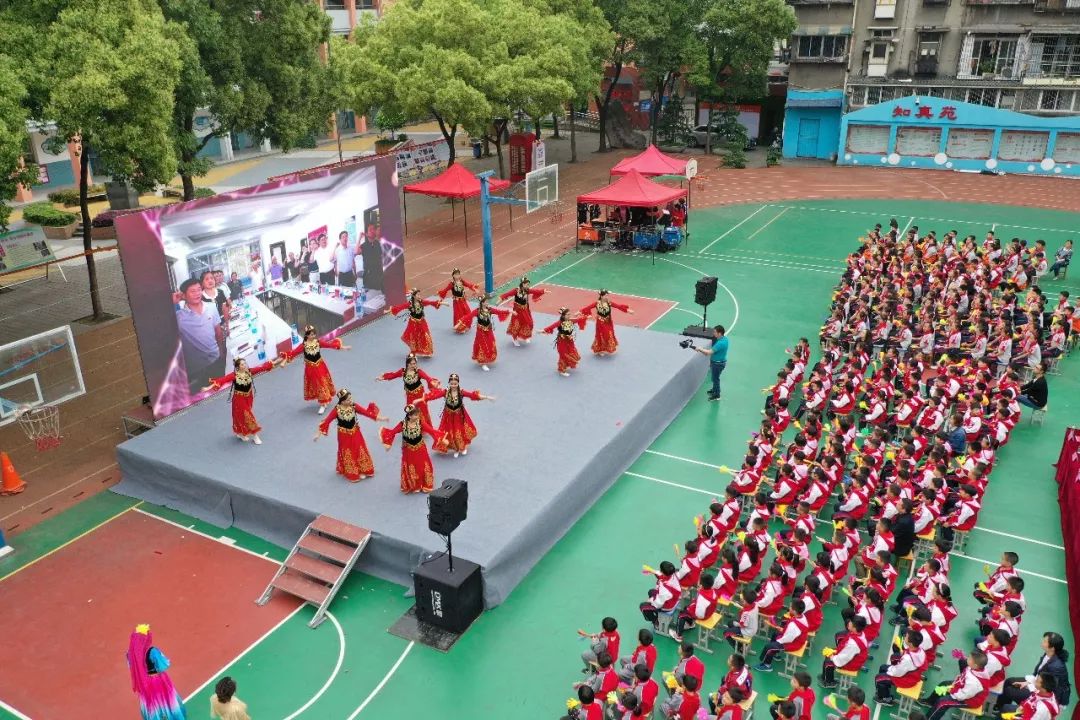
548,448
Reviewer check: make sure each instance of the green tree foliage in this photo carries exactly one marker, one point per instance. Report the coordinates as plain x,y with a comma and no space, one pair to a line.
663,48
13,116
630,20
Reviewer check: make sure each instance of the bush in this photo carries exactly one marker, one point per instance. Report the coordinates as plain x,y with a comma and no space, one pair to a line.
389,120
735,157
773,156
43,213
107,218
70,196
204,193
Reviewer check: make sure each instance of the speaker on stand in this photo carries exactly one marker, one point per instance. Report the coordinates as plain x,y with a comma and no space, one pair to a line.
448,597
704,295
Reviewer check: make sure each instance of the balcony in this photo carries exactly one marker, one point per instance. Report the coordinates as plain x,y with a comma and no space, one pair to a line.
819,60
999,2
1057,5
820,3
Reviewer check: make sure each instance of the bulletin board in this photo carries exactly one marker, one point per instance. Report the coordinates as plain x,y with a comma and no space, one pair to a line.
918,141
1023,146
1067,148
966,144
868,139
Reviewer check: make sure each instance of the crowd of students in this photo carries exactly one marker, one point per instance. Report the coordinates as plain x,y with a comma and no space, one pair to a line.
930,350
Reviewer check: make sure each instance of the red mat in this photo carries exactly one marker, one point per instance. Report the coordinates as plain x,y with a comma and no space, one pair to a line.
66,620
646,310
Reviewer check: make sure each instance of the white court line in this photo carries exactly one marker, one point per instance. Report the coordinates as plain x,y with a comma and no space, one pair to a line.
383,682
1024,573
559,272
770,264
684,459
13,711
933,219
241,548
781,255
1020,537
245,651
733,228
734,299
672,484
910,220
754,234
333,675
674,306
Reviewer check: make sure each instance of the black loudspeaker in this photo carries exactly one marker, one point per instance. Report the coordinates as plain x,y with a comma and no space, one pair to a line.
449,600
448,506
705,291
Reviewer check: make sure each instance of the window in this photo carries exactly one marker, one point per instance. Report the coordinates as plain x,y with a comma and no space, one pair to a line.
825,47
983,96
365,4
993,56
1060,56
885,9
335,4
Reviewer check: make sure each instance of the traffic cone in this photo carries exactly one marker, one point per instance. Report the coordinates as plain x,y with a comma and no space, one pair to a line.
11,482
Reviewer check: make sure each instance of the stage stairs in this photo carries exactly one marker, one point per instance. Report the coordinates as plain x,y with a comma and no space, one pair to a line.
319,563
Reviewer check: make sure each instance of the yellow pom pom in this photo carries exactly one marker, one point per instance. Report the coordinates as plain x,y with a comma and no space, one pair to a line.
828,652
741,535
572,703
890,455
612,698
142,629
671,682
773,697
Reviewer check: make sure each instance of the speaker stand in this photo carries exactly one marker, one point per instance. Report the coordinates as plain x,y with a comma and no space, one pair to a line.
450,551
704,331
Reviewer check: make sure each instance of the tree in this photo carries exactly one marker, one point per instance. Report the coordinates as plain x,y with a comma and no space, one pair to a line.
115,66
254,66
13,116
629,20
738,39
663,49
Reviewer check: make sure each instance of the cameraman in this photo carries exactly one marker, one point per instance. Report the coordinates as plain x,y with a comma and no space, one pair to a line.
717,359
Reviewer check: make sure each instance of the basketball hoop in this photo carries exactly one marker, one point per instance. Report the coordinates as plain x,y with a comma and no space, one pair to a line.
42,425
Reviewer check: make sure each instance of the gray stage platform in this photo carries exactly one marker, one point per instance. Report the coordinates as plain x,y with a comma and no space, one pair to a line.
548,448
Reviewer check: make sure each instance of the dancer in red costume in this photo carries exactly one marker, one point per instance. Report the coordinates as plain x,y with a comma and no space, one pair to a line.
604,342
569,356
484,350
455,424
413,378
417,334
417,473
318,385
521,323
456,288
353,458
242,397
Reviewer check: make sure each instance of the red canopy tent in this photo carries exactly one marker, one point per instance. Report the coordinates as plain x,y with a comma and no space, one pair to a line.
456,183
650,163
633,190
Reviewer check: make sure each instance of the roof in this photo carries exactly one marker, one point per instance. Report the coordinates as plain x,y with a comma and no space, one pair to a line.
650,163
633,190
455,182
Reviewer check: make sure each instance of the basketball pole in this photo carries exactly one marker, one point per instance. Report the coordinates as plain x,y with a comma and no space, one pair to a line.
486,199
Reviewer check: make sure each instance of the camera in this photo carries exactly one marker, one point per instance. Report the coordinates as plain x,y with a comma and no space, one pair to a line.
686,344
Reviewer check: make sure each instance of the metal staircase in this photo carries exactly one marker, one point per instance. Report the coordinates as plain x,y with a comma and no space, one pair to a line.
319,563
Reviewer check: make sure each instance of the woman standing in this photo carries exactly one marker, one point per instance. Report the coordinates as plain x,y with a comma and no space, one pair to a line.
158,699
521,323
455,424
417,472
413,378
604,343
456,288
417,334
242,397
569,356
353,459
484,350
318,385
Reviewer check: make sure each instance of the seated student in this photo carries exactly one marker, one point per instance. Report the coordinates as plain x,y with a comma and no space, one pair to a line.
964,515
1062,258
588,709
645,689
725,515
923,621
689,665
738,678
607,639
802,696
1014,590
747,623
996,647
904,671
626,707
968,690
606,679
663,598
771,596
1052,661
1004,617
791,637
1042,703
856,709
689,572
702,608
709,547
786,711
851,652
726,705
644,653
996,585
749,561
684,703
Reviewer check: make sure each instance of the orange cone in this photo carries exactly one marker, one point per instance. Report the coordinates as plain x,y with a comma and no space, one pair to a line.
11,482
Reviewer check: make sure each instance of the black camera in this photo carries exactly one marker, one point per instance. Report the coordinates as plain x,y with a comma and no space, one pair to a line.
686,344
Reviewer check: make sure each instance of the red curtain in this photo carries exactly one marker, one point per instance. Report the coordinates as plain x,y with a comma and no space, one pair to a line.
1068,478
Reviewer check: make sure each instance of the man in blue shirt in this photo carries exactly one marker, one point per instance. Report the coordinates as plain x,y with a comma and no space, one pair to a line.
717,359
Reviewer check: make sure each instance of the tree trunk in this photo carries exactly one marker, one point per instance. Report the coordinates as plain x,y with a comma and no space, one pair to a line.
654,111
708,131
555,126
448,135
91,268
189,186
601,122
573,136
499,153
536,126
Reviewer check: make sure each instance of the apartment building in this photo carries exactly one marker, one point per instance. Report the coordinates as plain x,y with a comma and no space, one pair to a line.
1012,55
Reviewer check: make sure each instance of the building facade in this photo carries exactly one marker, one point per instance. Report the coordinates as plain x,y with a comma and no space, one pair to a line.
1016,55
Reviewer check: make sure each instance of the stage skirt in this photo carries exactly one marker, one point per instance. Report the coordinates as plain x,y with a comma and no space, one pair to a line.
462,319
569,356
605,341
521,323
243,419
484,350
458,429
353,458
318,385
417,473
417,336
416,398
161,701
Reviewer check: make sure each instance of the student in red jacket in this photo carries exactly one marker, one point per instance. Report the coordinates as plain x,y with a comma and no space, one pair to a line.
607,639
738,678
702,608
684,704
969,690
588,709
644,653
791,637
688,666
802,696
726,705
645,689
663,598
606,679
851,651
905,671
856,709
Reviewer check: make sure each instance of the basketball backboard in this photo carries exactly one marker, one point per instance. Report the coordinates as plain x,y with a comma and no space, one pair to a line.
39,370
541,187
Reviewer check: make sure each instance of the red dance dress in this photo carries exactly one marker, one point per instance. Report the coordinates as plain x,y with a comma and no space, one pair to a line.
484,350
460,304
455,424
521,320
604,341
569,356
414,387
417,334
353,458
243,397
318,385
417,472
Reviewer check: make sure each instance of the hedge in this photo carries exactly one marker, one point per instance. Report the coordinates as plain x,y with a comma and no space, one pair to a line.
70,196
43,213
